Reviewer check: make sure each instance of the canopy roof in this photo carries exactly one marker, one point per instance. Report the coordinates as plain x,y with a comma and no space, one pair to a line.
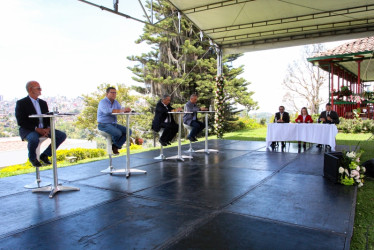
347,55
250,25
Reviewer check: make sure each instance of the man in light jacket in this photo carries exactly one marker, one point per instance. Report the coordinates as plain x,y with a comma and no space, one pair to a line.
191,119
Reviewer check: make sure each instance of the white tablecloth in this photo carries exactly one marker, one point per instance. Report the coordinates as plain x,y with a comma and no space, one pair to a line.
314,133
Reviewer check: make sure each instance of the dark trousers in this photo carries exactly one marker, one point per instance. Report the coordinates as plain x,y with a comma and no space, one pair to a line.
33,142
197,127
170,130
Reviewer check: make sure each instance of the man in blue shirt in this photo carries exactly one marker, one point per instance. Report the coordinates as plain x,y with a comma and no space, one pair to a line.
108,122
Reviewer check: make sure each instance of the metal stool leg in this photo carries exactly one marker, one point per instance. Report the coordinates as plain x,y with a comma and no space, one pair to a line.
161,156
37,183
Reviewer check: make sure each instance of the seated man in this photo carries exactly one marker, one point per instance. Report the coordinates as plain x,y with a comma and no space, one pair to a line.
30,129
281,117
191,119
165,120
108,122
328,117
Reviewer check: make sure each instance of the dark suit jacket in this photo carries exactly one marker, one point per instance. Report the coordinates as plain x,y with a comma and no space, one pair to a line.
334,116
286,117
25,108
161,114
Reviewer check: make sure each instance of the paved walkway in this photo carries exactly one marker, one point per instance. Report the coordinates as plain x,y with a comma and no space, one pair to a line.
244,197
14,151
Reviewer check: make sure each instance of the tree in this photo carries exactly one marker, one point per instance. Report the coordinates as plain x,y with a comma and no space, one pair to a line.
183,64
87,120
304,82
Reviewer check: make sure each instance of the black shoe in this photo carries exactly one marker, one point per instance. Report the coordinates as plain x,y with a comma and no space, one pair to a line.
195,139
319,146
44,158
163,143
328,146
36,163
169,143
115,150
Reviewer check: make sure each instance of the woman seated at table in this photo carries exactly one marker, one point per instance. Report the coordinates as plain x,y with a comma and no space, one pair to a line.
304,117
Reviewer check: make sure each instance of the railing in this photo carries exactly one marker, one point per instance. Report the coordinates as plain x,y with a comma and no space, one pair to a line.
345,109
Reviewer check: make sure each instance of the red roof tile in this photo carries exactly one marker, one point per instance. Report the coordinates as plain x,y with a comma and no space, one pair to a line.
357,46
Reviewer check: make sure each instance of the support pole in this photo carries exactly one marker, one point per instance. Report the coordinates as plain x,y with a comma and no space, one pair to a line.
332,83
219,102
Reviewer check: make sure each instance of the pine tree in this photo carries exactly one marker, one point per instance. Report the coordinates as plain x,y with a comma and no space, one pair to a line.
182,64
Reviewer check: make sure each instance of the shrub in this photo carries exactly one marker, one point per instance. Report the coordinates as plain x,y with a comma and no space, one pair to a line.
80,153
355,125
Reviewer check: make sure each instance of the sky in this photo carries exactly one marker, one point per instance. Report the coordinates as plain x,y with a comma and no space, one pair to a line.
70,48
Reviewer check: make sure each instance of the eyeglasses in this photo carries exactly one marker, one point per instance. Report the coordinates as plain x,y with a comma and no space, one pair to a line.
112,92
38,88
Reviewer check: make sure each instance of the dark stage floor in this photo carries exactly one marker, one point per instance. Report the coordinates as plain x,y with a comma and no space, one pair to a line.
244,197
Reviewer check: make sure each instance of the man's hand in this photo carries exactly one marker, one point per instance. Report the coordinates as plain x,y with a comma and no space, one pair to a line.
127,109
179,109
329,118
43,131
280,121
204,109
322,119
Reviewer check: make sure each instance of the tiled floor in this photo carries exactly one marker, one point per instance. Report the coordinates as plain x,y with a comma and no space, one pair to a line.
244,197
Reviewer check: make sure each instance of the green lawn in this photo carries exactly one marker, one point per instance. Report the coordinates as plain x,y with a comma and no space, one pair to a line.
363,232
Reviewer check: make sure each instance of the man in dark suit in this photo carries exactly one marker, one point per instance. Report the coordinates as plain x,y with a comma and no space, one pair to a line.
328,116
30,129
281,117
165,120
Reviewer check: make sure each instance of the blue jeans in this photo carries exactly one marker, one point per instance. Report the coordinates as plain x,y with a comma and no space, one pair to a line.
33,142
197,127
118,133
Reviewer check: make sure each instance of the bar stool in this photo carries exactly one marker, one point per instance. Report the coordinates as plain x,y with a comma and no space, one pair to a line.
161,156
37,182
108,138
189,128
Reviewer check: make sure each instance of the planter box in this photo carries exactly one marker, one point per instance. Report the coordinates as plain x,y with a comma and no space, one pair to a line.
331,166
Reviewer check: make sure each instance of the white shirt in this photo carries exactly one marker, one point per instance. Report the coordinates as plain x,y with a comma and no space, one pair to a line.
38,110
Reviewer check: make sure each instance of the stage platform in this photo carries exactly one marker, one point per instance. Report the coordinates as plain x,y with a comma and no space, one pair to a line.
244,197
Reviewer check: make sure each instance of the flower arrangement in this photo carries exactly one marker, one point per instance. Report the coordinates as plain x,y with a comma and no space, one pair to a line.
350,172
219,106
356,98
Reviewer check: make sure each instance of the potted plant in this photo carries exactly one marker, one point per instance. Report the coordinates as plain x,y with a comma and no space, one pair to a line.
345,91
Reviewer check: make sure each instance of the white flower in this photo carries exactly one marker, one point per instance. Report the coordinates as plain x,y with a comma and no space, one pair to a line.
355,173
358,159
341,170
363,169
358,168
360,185
351,154
346,171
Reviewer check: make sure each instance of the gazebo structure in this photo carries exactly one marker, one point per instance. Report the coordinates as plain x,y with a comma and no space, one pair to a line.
350,70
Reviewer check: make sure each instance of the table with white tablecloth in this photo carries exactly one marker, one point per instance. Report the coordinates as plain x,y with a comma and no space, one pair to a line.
305,132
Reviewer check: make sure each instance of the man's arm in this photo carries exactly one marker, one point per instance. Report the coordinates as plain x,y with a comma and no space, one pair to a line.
286,119
335,117
22,116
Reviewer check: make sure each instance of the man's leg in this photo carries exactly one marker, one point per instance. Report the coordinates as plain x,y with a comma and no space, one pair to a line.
171,131
122,138
202,126
60,138
196,128
32,143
